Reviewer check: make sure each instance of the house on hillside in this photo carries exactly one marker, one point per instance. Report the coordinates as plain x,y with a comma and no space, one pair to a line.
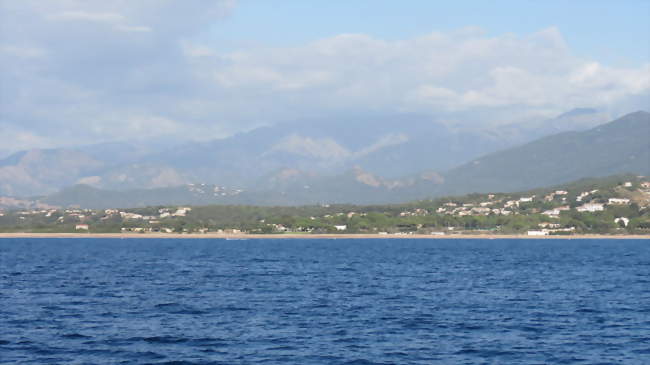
181,212
591,207
553,213
548,225
538,233
623,220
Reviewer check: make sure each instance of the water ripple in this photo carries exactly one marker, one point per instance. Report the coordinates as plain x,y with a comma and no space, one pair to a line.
324,301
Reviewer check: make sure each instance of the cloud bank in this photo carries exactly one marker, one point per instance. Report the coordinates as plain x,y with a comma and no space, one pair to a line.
78,71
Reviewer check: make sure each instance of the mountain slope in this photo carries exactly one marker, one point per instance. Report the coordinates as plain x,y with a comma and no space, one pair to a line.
385,145
369,161
617,147
390,146
43,171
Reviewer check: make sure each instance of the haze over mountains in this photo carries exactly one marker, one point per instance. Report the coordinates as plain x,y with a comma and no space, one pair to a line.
354,160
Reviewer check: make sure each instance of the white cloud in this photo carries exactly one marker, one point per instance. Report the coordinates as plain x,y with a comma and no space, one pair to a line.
22,52
132,28
110,18
79,70
118,21
460,72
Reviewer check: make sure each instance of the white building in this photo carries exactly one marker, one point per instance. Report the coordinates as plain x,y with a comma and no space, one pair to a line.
624,220
127,215
548,225
619,201
590,207
341,227
554,213
538,233
181,212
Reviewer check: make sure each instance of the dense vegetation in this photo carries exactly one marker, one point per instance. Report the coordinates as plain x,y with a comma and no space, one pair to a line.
474,213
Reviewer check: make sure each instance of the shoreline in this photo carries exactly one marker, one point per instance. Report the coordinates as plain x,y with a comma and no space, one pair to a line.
308,236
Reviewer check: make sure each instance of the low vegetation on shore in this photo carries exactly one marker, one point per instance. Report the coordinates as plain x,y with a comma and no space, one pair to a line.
613,205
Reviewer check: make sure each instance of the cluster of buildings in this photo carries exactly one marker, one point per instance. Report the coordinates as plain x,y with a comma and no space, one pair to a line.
215,190
491,206
551,205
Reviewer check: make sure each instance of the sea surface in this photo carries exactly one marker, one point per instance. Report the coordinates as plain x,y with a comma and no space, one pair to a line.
338,301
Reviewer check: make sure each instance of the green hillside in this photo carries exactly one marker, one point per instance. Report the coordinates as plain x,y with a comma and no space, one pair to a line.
612,205
621,146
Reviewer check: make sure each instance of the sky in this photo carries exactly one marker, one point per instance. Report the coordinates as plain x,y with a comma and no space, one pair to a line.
89,71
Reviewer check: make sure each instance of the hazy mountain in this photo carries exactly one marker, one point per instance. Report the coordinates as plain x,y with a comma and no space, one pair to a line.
358,160
115,153
620,146
575,120
390,146
42,171
89,197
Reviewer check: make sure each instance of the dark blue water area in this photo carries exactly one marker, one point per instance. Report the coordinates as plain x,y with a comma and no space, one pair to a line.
171,301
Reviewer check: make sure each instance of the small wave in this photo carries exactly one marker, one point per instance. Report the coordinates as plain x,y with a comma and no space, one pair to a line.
177,308
470,327
362,362
264,260
232,308
347,340
484,353
282,348
73,336
208,342
165,339
529,329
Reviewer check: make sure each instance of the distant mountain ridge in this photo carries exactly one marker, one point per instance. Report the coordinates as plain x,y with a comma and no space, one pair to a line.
305,166
390,146
620,146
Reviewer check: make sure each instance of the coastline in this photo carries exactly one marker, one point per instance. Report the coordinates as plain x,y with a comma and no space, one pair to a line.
308,236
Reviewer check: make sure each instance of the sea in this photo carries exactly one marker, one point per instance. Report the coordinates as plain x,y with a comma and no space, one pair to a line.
324,301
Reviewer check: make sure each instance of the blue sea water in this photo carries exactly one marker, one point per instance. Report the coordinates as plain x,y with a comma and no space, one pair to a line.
170,301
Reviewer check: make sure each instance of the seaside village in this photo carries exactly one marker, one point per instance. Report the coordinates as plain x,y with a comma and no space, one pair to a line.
559,201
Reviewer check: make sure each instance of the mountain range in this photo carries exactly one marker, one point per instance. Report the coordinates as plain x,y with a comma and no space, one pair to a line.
372,160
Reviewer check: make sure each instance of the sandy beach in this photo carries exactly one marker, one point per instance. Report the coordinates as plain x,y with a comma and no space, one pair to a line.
307,236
